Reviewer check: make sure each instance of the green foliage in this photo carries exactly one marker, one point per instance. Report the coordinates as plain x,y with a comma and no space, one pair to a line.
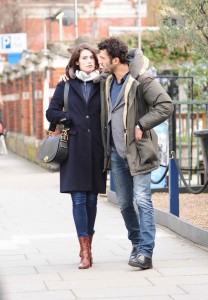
185,24
130,39
156,49
199,71
178,60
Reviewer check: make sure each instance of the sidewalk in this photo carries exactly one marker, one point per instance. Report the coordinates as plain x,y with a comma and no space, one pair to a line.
39,248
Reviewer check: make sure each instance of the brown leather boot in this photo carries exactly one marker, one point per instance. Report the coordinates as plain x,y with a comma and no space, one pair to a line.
90,242
85,253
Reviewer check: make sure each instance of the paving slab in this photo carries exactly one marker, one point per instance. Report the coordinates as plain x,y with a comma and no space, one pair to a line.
39,251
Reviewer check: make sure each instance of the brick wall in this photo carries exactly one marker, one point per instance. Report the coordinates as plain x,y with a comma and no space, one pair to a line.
23,112
94,19
23,103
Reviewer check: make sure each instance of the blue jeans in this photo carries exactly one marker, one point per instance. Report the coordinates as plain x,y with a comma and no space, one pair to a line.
84,212
136,190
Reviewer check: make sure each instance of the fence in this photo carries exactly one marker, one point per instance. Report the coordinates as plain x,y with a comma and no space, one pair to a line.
189,116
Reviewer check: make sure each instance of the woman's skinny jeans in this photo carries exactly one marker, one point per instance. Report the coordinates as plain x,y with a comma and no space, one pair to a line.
84,212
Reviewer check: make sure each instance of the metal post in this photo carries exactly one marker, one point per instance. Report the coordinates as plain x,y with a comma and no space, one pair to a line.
75,19
60,30
173,188
139,23
203,135
44,35
172,131
2,60
34,124
60,18
46,97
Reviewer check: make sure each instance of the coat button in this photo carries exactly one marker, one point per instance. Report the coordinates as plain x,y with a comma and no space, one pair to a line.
87,117
88,130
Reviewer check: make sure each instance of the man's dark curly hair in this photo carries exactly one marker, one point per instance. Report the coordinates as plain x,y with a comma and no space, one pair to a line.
115,47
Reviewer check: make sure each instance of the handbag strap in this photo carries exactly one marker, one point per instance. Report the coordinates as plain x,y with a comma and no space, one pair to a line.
52,127
66,93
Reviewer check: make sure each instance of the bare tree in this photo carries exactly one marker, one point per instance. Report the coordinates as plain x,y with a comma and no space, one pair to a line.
10,16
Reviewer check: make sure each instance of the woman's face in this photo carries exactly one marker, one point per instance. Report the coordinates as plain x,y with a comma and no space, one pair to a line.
86,61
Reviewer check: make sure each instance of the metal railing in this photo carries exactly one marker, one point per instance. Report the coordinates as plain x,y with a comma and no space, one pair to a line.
188,116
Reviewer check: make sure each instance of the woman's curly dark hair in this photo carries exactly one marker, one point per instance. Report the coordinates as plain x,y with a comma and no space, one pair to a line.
75,57
115,47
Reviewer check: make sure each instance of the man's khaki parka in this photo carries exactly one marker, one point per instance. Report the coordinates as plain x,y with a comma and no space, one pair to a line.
146,102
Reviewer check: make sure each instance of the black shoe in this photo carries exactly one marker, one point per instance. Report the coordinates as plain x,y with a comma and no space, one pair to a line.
134,253
142,262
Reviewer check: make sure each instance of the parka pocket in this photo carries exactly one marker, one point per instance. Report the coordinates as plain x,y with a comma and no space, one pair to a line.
148,147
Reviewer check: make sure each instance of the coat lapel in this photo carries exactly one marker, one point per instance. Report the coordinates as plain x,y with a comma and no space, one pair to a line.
120,96
76,86
94,89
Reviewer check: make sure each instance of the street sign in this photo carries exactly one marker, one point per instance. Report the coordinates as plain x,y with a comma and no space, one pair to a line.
13,43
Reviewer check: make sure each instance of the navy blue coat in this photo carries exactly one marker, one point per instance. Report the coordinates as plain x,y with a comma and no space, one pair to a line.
83,169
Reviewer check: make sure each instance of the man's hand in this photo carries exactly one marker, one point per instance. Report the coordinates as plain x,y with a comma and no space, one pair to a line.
137,133
63,78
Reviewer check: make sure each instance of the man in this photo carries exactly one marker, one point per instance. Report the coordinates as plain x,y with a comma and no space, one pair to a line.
132,104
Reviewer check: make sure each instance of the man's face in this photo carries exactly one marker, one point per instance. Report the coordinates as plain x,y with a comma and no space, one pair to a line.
105,62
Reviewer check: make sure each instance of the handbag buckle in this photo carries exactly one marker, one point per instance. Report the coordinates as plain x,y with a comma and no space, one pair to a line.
64,134
49,133
46,158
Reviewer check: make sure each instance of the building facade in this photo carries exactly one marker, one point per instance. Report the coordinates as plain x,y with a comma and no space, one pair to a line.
27,86
38,19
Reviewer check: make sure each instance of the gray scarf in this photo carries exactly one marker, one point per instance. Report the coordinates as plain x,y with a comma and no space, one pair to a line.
87,77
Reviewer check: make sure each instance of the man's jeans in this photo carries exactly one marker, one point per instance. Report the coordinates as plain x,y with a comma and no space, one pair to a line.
84,212
141,224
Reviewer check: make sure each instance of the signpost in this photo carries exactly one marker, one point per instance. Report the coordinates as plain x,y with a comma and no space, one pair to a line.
13,43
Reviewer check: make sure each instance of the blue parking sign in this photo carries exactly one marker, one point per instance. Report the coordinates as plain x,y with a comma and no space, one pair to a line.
13,43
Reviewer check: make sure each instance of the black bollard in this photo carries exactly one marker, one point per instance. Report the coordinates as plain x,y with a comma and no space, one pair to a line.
203,135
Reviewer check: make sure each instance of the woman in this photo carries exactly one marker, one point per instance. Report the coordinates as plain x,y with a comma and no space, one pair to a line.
81,174
3,147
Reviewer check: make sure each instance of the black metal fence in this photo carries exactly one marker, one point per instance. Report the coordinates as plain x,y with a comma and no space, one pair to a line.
189,115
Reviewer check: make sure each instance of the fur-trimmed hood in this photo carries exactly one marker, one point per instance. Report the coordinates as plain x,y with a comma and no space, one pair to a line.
138,63
72,74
